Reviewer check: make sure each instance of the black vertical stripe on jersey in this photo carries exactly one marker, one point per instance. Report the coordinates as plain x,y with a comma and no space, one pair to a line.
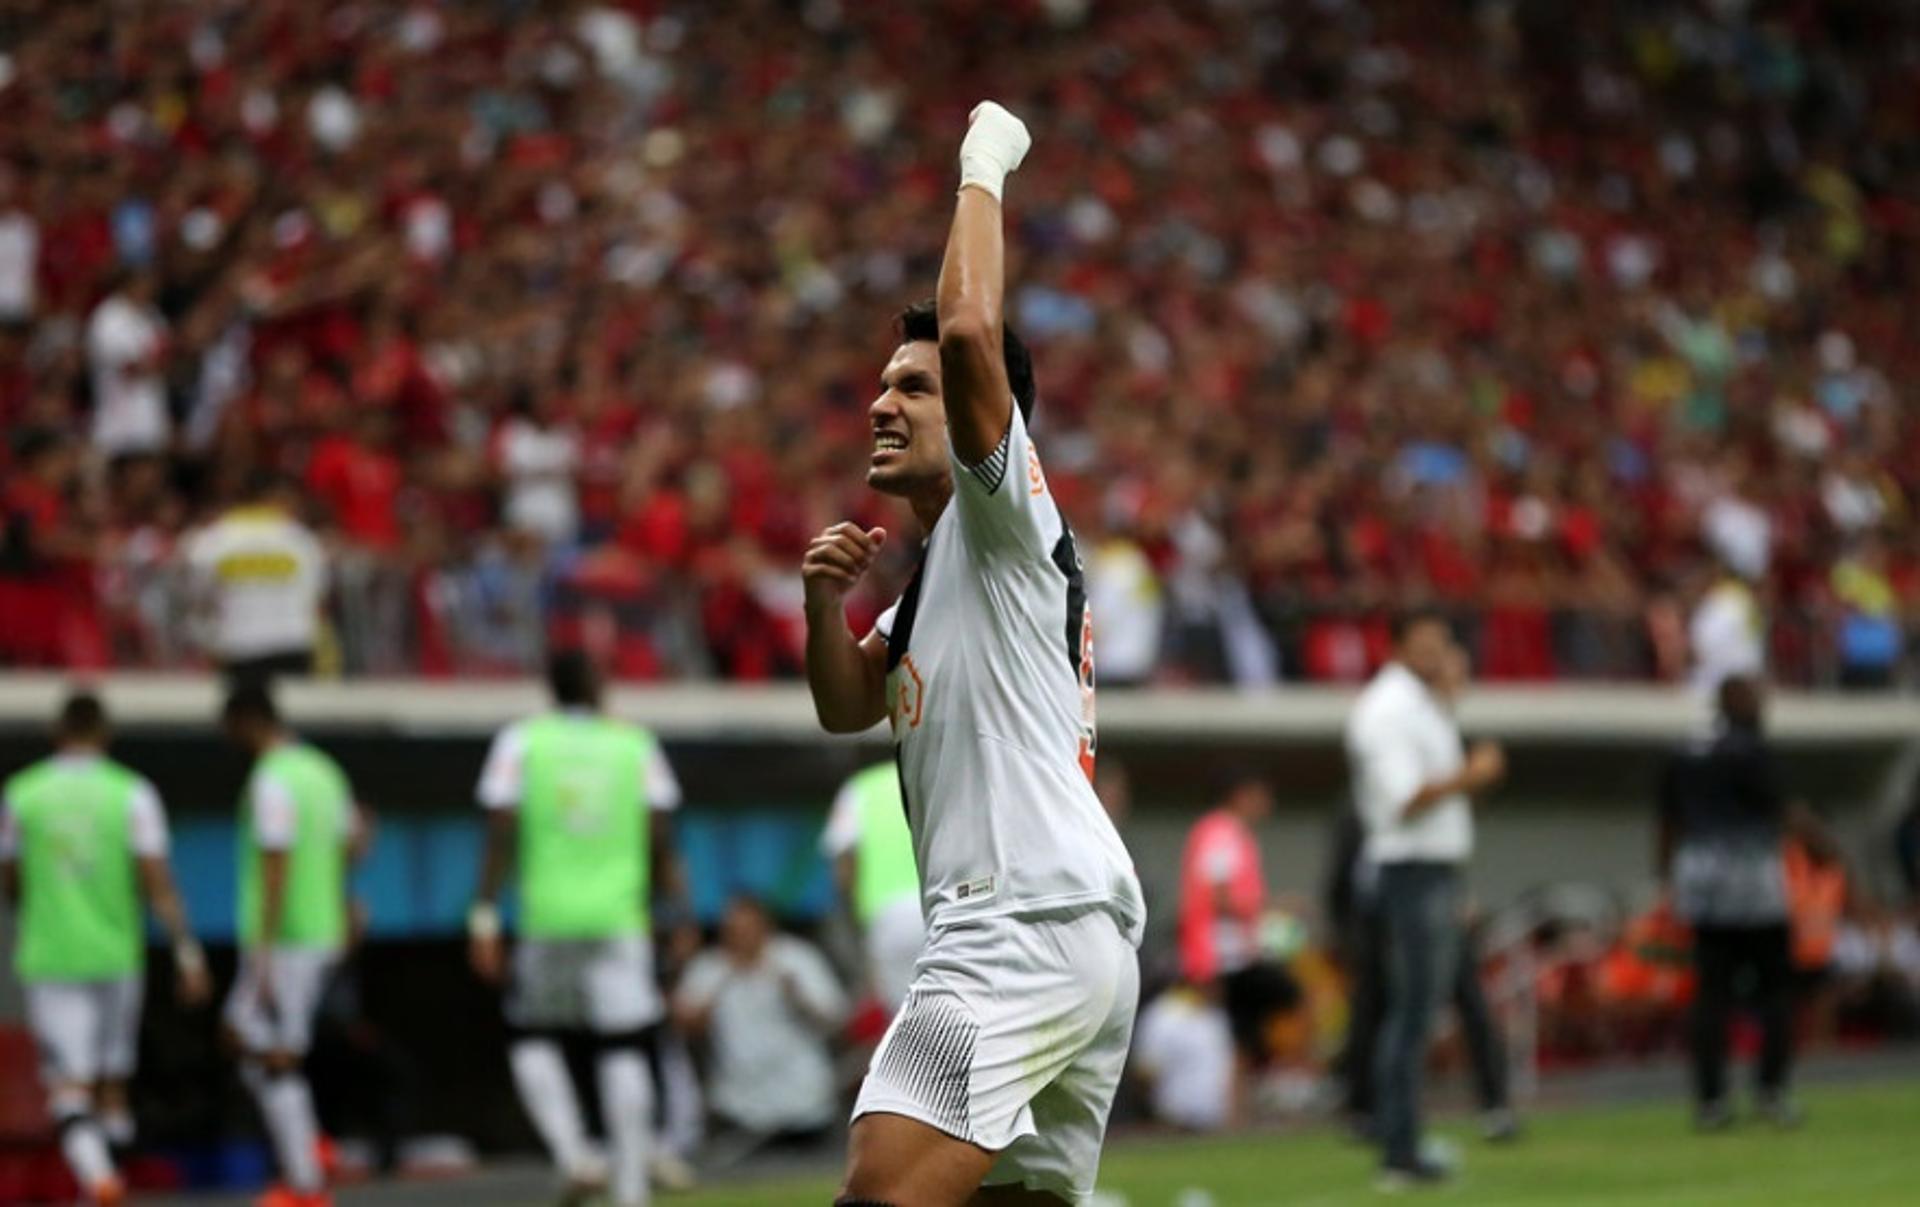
897,640
902,633
1066,556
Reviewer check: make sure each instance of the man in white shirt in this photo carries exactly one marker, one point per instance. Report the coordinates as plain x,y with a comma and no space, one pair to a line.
766,1004
1023,1001
126,351
1413,784
1183,1049
258,576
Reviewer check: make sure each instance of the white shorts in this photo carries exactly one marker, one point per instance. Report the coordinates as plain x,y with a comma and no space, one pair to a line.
276,1013
601,985
87,1031
1013,1037
895,936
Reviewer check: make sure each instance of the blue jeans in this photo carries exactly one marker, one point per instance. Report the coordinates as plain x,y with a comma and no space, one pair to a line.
1420,910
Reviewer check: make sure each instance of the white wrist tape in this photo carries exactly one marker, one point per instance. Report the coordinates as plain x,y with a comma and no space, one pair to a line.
996,142
483,921
189,957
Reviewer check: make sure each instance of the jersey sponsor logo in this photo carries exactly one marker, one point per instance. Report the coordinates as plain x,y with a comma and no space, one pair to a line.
909,695
975,890
273,567
1036,479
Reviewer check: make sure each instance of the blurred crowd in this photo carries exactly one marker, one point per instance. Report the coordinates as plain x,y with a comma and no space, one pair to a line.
562,318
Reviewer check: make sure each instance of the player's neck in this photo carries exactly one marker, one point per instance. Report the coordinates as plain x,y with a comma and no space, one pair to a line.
928,505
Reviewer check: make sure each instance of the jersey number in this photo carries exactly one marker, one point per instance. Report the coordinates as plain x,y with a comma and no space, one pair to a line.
1066,557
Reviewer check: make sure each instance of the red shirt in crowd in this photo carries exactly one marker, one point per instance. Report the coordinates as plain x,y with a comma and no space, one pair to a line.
359,485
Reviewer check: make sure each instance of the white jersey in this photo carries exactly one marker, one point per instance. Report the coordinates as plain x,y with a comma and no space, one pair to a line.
990,694
266,573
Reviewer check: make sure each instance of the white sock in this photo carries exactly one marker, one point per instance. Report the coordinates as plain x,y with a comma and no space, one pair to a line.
287,1104
81,1141
546,1091
626,1099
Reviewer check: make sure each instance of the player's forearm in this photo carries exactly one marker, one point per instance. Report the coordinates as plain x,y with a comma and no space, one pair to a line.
495,857
273,896
1432,794
970,296
845,697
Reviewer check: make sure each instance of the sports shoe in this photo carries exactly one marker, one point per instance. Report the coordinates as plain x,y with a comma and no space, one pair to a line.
1780,1110
1500,1126
1396,1178
581,1189
667,1171
1712,1117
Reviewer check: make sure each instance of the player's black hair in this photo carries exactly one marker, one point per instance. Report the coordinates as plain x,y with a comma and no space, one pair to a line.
572,679
251,700
261,485
1407,620
921,321
82,718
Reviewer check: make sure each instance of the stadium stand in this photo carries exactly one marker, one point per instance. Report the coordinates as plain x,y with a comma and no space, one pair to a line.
563,318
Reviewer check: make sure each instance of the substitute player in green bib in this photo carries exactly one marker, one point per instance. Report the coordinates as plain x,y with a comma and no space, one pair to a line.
583,798
300,833
82,840
872,849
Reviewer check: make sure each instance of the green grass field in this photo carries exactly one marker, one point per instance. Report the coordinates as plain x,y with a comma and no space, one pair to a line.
1861,1145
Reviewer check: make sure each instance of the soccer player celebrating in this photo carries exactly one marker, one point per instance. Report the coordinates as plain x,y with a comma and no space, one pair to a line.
584,798
300,835
996,1078
81,839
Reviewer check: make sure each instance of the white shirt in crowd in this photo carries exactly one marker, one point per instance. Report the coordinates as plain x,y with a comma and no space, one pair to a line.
264,573
1740,533
541,465
148,822
129,392
1727,636
19,258
1125,594
501,778
1185,1047
1399,739
772,1071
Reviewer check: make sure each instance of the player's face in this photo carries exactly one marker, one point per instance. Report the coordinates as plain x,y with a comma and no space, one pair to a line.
909,422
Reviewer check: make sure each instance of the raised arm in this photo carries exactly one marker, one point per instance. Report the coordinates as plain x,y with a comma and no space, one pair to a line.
973,370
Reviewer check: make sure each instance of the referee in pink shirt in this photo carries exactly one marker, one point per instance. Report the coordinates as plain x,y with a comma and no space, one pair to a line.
1222,895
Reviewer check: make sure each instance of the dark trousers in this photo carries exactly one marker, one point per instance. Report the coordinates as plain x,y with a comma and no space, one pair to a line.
1722,957
1420,912
1486,1046
268,667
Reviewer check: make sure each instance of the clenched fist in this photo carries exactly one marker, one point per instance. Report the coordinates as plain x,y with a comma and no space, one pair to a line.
836,560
